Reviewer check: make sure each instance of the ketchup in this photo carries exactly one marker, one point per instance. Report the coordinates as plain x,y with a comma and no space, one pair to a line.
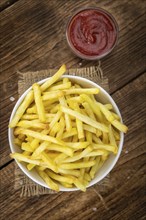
92,32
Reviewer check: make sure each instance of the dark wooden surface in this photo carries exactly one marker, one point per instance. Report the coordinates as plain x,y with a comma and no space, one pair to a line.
33,38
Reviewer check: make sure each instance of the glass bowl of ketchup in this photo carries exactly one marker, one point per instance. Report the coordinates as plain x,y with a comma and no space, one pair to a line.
92,33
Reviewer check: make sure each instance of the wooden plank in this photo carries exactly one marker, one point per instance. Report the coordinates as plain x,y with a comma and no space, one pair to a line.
6,3
33,38
123,197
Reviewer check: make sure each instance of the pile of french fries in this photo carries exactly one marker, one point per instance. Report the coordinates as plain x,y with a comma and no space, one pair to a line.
65,134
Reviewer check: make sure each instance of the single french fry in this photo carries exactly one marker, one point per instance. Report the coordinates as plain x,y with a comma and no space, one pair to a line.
121,127
31,124
62,86
89,128
77,165
54,78
52,95
107,147
67,117
21,109
23,158
64,149
39,102
42,136
78,145
80,128
95,153
29,116
81,91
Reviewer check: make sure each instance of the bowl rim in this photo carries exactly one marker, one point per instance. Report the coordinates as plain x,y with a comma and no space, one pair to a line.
95,57
94,181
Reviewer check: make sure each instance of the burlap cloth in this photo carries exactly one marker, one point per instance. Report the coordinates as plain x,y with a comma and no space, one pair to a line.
94,73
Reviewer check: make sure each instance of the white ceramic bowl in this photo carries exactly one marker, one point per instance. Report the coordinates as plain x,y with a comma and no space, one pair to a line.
104,98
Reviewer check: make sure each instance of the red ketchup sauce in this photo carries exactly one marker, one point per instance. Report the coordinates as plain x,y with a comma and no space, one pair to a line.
92,33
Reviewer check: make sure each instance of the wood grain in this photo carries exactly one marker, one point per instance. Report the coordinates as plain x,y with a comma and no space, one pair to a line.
33,38
6,3
124,197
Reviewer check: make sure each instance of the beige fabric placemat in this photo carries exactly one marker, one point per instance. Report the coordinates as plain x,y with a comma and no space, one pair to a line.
94,73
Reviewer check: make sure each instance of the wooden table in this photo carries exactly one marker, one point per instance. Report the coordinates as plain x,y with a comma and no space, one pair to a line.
33,38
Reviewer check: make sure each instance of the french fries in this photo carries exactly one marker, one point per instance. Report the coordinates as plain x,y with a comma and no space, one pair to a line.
22,108
39,102
64,133
54,78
